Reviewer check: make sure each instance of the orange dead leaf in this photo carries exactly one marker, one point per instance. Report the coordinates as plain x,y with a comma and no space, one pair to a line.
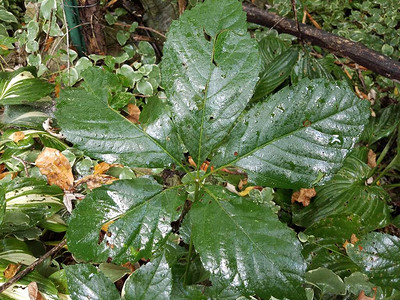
129,266
242,183
354,239
101,168
133,113
304,196
371,158
48,43
315,23
33,292
13,174
191,162
2,167
362,296
345,244
106,225
56,167
57,90
11,270
17,136
4,47
96,180
204,165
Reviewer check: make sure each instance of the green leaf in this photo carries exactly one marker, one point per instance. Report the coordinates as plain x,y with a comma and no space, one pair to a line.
276,73
32,30
104,134
209,69
152,281
19,290
144,87
138,213
270,47
114,272
21,87
7,17
325,249
86,282
251,249
378,255
16,251
358,282
382,125
347,194
46,7
298,137
327,281
29,201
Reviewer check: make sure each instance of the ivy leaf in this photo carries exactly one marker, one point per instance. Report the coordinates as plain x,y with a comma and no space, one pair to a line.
152,281
347,194
298,137
378,255
209,70
131,215
104,134
86,282
252,249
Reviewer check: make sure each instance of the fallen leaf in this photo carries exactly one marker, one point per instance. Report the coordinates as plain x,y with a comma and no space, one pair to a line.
362,296
130,266
204,165
133,113
353,239
242,183
96,180
17,136
56,167
191,162
103,167
304,196
57,90
13,175
33,292
2,167
371,158
106,225
11,270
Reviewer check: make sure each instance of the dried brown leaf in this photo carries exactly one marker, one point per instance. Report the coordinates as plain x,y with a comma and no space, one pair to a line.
13,175
56,167
96,180
18,136
133,113
362,296
371,158
103,167
304,196
33,292
11,270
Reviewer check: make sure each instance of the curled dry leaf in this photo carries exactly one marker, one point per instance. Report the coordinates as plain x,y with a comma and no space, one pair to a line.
56,167
304,196
371,158
33,292
103,167
11,270
96,180
18,136
133,113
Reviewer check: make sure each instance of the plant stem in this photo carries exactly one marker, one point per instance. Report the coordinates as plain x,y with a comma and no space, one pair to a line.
382,155
388,167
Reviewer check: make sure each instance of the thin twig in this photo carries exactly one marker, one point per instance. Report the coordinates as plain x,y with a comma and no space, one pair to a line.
32,266
297,21
23,163
144,28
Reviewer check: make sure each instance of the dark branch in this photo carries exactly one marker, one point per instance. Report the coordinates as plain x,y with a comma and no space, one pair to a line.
360,54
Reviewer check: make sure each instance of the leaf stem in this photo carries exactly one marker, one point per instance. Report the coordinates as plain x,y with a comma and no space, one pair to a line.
382,155
388,167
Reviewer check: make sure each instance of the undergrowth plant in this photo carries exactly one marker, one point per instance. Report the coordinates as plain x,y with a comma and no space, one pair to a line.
204,240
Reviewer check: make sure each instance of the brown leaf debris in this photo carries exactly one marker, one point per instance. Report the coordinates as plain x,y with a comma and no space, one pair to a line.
371,158
133,113
304,196
56,167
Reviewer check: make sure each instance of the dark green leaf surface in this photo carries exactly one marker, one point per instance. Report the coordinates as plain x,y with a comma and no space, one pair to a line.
140,212
21,87
378,255
347,194
23,115
244,244
152,281
327,281
270,47
276,73
326,249
86,282
209,69
298,137
103,133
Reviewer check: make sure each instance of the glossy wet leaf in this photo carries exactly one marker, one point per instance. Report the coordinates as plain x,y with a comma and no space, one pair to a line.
251,250
29,201
209,69
16,251
378,256
103,133
326,248
327,281
23,115
347,194
298,137
134,215
151,281
22,87
86,282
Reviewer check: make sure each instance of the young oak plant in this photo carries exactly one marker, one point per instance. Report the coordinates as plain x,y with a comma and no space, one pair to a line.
295,138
